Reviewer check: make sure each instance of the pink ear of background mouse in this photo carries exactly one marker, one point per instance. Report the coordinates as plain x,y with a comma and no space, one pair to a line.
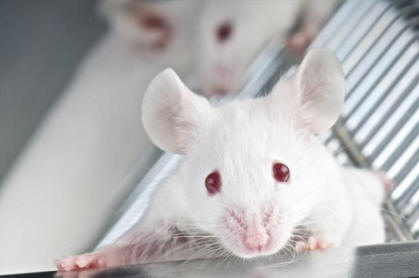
156,23
145,24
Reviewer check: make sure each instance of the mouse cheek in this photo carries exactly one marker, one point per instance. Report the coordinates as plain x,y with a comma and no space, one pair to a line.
204,212
283,235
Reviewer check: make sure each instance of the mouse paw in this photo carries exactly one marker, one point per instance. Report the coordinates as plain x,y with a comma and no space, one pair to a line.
313,243
299,41
84,261
388,184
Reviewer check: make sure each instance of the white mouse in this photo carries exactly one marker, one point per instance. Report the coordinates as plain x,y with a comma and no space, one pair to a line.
232,33
252,174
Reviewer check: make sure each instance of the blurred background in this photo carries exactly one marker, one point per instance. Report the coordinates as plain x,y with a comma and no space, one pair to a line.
42,44
74,158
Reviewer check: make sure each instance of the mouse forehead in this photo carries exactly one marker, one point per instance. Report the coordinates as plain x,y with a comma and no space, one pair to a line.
217,11
250,128
251,15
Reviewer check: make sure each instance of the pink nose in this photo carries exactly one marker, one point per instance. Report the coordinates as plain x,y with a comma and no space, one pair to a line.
219,91
256,240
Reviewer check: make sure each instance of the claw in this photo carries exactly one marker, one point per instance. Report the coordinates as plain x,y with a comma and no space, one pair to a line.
313,243
85,261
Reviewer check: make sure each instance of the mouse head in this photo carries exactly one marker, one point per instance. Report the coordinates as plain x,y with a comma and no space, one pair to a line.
152,24
232,33
251,167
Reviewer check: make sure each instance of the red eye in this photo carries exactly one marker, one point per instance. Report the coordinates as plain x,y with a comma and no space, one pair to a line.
281,172
213,183
224,31
153,22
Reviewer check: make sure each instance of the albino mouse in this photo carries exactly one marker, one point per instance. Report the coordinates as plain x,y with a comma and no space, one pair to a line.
232,33
92,141
252,174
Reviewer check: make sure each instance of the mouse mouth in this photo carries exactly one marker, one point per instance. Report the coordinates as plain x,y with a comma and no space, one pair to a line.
250,245
249,237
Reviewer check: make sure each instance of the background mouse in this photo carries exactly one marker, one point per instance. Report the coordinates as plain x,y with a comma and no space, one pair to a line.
232,33
253,178
92,142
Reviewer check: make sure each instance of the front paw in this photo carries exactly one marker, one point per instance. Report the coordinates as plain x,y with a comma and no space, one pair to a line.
84,261
313,243
300,40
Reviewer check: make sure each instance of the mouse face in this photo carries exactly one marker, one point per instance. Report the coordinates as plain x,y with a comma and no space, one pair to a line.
232,33
251,181
250,167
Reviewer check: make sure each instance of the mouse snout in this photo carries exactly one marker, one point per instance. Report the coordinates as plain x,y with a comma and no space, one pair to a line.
220,81
248,235
218,91
256,239
223,32
215,90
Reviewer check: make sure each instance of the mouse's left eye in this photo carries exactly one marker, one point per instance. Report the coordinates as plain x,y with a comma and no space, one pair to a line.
281,172
224,31
213,183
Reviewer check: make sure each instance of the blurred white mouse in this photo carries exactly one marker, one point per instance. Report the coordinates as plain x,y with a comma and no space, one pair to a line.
78,166
233,32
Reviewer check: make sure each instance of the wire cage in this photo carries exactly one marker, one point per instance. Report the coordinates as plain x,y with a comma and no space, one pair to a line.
377,42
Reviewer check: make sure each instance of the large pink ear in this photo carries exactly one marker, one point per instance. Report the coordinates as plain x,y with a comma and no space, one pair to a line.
320,84
173,115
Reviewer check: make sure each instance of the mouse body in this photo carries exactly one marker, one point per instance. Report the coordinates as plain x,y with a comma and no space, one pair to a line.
253,178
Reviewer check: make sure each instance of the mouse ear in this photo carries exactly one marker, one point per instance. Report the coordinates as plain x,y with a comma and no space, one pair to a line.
172,114
138,21
321,88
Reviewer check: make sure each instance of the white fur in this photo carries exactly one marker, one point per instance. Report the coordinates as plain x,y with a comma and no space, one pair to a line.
241,140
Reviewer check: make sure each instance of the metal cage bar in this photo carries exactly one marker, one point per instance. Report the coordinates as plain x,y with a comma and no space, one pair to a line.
379,126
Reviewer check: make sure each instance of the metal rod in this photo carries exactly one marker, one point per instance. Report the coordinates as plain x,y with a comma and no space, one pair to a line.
386,50
405,11
409,90
383,74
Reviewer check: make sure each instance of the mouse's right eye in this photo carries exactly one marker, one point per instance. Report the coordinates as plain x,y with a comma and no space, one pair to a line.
224,31
153,22
281,172
213,183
